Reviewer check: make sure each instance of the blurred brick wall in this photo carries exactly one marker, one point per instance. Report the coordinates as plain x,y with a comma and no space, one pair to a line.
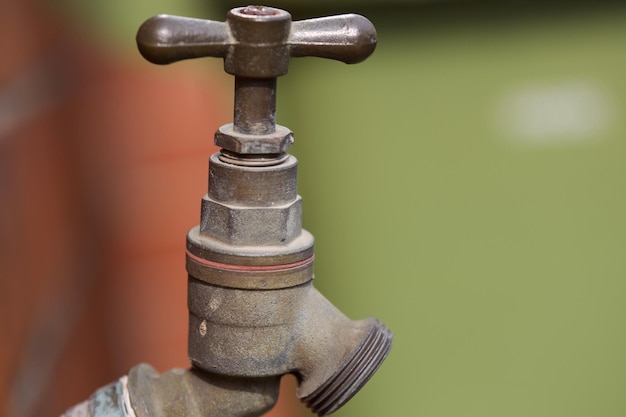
103,162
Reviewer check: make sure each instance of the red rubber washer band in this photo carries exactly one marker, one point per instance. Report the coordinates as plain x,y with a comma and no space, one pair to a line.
248,268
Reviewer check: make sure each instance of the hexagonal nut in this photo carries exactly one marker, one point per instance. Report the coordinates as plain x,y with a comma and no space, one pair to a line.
251,226
242,143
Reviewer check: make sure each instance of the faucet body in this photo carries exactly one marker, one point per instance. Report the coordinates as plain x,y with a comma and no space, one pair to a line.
253,310
254,314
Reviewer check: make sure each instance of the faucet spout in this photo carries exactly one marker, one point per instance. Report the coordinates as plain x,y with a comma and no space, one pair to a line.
336,356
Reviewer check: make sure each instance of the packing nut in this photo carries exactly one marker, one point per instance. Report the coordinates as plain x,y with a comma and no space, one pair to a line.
251,226
274,143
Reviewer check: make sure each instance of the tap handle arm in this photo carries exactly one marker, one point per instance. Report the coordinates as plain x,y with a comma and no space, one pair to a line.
349,38
164,39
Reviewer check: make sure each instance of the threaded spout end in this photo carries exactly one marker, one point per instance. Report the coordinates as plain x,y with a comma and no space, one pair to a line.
342,386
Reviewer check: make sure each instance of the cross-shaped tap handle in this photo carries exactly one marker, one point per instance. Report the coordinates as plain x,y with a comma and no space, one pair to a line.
256,43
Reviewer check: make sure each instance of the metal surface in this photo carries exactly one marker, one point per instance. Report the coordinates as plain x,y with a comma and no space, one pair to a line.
254,314
191,393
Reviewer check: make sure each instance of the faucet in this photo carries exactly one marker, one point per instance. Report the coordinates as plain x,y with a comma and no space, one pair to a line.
254,314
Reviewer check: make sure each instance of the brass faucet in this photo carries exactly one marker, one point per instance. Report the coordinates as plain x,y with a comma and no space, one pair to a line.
254,314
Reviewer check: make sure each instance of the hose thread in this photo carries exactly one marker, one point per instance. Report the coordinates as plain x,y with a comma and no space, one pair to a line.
342,386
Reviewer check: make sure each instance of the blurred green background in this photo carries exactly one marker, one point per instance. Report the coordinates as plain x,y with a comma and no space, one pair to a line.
467,185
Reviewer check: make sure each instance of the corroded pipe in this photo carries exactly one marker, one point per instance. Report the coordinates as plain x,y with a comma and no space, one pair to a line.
179,392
